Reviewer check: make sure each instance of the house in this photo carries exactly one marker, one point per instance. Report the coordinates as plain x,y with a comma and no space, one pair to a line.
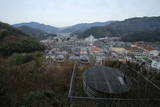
95,50
90,39
119,50
83,50
100,57
156,64
154,53
74,57
135,51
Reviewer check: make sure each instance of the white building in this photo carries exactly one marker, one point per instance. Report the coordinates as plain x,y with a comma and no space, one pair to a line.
154,53
156,64
90,39
119,50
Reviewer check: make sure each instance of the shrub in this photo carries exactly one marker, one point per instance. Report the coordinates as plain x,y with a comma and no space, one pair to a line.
24,58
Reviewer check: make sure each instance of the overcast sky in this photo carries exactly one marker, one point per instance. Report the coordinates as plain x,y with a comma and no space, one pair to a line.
68,12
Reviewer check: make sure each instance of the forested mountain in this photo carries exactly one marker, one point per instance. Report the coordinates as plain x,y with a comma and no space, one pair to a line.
98,29
43,27
85,26
97,32
53,30
14,41
148,36
32,31
35,32
123,28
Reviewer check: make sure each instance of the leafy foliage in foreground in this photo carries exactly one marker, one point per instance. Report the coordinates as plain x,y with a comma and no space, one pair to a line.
30,83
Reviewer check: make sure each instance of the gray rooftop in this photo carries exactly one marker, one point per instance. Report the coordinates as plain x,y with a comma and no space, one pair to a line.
105,80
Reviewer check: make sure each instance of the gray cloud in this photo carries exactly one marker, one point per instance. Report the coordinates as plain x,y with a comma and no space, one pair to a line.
68,12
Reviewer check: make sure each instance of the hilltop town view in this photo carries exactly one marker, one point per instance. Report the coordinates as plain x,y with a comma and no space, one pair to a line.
73,54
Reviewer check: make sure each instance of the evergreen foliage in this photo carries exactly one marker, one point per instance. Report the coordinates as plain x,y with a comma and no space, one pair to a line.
14,41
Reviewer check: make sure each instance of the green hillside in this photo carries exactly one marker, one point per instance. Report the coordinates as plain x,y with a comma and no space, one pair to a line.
32,31
148,36
126,27
15,41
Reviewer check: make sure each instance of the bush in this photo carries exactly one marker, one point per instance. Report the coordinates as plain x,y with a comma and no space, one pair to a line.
3,33
24,84
20,46
24,58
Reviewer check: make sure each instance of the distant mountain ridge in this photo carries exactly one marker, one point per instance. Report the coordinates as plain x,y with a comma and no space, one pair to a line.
53,30
35,32
85,26
32,31
123,28
43,27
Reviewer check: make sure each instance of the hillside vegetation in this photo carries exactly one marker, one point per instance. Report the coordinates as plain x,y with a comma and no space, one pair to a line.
43,27
148,36
32,31
124,28
85,26
14,41
32,83
27,82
